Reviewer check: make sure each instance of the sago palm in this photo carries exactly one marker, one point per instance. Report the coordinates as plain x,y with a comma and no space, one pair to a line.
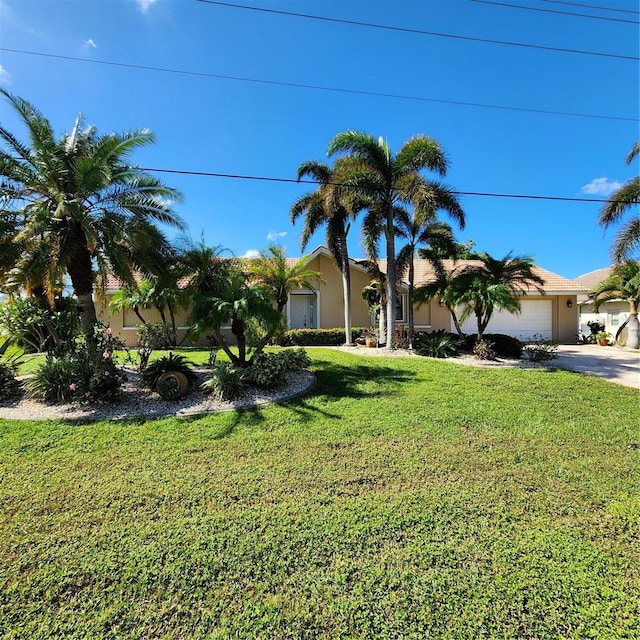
627,240
77,199
386,180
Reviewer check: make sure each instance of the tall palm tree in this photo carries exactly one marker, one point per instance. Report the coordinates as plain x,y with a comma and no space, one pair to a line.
272,271
385,180
419,228
627,240
494,284
334,208
78,200
622,284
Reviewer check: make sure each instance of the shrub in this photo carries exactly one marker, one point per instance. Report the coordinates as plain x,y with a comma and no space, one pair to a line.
172,362
53,381
36,328
153,335
226,381
9,386
484,350
318,337
504,346
437,344
269,370
87,371
541,350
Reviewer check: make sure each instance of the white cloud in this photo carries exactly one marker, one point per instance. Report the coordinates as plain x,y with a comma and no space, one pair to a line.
144,5
91,43
272,236
251,253
4,74
601,187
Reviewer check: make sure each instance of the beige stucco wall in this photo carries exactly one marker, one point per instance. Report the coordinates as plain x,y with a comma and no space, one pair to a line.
565,319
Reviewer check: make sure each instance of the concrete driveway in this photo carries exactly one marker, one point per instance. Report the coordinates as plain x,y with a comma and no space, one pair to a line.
615,364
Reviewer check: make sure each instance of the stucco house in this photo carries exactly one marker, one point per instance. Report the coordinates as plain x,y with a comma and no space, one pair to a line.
613,313
553,314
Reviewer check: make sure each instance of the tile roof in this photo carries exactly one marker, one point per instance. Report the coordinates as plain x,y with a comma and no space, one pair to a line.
592,279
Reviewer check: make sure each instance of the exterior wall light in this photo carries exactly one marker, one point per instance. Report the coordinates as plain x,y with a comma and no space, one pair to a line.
569,303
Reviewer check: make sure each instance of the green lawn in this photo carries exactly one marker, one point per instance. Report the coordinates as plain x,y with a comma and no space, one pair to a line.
405,498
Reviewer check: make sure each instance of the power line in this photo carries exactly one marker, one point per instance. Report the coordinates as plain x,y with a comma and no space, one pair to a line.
563,13
418,31
236,176
592,6
377,94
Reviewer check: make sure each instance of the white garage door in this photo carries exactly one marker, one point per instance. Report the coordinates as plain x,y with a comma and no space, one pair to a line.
534,319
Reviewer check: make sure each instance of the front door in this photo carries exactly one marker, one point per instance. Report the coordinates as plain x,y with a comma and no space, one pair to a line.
303,311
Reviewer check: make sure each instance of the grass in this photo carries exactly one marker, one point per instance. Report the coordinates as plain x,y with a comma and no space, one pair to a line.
405,498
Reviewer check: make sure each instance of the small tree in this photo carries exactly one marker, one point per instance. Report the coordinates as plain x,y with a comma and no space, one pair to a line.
622,284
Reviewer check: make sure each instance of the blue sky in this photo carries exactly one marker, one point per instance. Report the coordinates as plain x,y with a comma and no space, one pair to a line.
237,127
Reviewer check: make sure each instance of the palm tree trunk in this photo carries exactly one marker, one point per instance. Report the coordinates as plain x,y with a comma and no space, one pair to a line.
225,347
410,301
346,287
633,337
174,329
391,280
136,310
456,322
81,273
237,328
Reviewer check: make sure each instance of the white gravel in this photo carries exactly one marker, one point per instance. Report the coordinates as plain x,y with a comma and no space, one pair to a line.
135,402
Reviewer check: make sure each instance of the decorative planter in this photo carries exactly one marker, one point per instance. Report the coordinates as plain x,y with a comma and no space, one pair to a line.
603,342
172,385
371,342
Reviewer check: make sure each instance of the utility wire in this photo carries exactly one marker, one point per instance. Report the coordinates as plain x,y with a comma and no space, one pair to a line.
563,13
418,31
236,176
296,85
592,6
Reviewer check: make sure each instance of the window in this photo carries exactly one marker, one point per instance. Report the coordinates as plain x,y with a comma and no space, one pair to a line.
400,305
614,319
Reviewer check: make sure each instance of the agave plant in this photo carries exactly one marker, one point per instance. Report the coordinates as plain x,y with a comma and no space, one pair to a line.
437,344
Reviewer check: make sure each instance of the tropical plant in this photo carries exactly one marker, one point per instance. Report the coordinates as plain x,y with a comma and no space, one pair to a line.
233,300
375,295
484,350
622,284
78,203
335,208
540,349
151,335
270,370
9,384
420,228
226,381
621,202
386,181
491,284
436,344
447,286
171,362
272,270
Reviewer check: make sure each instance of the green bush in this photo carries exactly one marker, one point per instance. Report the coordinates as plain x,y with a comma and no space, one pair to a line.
153,335
86,371
226,381
34,328
437,344
541,350
317,337
172,362
504,346
9,385
269,369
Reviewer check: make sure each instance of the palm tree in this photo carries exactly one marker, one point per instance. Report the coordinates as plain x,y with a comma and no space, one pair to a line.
77,200
447,286
421,228
627,240
375,295
234,300
385,180
494,284
334,208
622,284
272,271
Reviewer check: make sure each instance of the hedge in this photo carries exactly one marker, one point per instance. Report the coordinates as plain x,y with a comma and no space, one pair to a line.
317,337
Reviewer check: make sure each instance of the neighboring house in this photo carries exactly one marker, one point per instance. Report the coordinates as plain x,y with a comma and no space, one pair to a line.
613,313
553,315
